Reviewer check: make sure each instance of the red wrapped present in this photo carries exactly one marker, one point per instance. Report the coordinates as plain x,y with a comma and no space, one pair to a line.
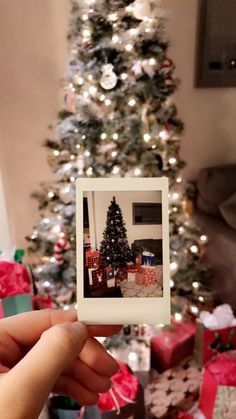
220,371
41,302
177,389
98,277
209,342
132,273
92,258
14,279
147,275
138,260
173,345
110,272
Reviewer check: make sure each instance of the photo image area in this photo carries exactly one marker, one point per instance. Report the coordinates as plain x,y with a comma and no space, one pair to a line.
122,244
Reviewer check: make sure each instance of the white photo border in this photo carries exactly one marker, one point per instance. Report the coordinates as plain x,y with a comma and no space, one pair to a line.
123,310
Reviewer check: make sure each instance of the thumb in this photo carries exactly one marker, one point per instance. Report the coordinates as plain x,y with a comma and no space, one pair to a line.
33,378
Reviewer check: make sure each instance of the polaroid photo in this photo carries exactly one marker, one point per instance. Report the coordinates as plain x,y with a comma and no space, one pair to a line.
123,250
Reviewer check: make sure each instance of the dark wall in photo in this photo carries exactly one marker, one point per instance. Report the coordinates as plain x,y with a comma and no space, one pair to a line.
147,213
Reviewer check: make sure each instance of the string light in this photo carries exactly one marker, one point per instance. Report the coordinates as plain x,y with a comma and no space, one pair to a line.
178,317
201,299
102,98
46,284
107,102
87,153
179,179
164,135
133,31
114,154
66,308
154,147
172,284
52,259
86,95
203,238
93,90
147,137
72,179
72,157
195,285
113,17
86,33
51,194
175,196
173,266
103,136
90,171
85,18
115,170
129,47
83,137
194,249
124,76
115,136
62,235
137,172
132,103
56,153
194,309
78,146
172,160
56,229
129,9
46,221
90,77
115,39
76,130
152,61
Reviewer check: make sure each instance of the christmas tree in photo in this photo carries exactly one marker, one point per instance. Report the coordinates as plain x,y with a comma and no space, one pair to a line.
118,120
115,250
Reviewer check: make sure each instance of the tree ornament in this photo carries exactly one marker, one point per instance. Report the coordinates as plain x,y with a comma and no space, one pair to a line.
109,78
169,81
60,247
141,9
66,195
167,63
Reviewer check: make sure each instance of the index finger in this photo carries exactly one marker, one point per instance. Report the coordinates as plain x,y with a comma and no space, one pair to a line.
27,328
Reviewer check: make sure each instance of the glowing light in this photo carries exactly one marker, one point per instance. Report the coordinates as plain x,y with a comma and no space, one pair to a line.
196,285
103,136
178,317
175,196
164,135
172,284
72,157
137,172
129,47
83,137
133,31
78,146
124,76
194,309
203,238
90,77
76,130
179,179
56,229
51,194
194,249
68,166
46,284
62,235
175,209
52,259
201,299
56,153
86,33
86,94
76,306
173,266
114,154
93,90
147,137
113,17
72,179
90,171
115,136
102,98
87,153
115,170
132,103
107,102
181,230
85,18
46,220
115,39
129,9
154,147
172,160
152,61
133,356
66,308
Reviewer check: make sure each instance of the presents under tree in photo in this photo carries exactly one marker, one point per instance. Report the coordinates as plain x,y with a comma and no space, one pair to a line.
93,259
97,277
172,345
225,403
147,275
219,371
174,390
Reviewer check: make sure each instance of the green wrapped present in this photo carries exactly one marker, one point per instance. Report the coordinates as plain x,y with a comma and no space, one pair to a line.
16,304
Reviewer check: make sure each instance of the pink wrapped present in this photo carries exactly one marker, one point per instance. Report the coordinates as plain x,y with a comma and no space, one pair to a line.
92,258
147,275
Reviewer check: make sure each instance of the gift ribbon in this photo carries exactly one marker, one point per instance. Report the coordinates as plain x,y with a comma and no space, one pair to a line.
122,396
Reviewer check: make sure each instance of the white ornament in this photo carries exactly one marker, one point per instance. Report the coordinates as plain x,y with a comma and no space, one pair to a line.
109,78
141,9
66,195
137,68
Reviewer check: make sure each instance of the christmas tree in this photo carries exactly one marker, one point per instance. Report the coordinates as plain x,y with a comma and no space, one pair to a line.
118,120
115,250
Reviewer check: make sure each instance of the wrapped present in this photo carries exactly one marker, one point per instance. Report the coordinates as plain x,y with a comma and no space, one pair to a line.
110,272
111,283
147,275
225,404
219,371
16,304
171,346
148,259
216,332
174,390
132,272
41,302
138,260
98,277
92,258
121,275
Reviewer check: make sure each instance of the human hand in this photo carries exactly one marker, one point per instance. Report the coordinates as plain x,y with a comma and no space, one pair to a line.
49,351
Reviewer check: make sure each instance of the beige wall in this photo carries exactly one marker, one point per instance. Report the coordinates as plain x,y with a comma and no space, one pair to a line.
33,52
